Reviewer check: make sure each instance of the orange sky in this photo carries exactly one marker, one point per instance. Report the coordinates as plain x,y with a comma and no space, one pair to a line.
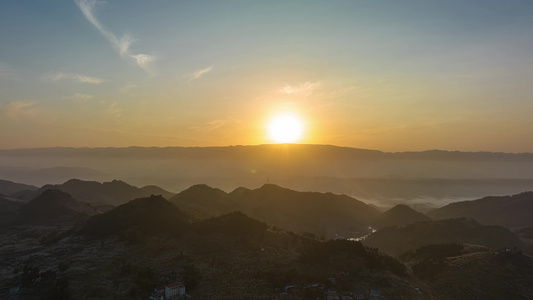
367,74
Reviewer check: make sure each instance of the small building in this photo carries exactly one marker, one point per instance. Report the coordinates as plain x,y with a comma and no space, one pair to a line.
332,295
174,290
14,290
358,295
375,293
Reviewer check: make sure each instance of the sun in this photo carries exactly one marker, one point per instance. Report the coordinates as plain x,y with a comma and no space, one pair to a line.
285,128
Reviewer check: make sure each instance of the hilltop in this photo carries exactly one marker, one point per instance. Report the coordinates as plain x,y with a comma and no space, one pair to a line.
152,215
53,205
100,196
8,188
400,215
323,214
509,211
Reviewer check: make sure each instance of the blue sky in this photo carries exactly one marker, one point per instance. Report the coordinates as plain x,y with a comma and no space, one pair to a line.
387,75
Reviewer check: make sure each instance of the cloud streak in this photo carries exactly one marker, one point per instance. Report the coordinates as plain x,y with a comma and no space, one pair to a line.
303,89
214,125
195,75
57,76
121,45
19,111
79,97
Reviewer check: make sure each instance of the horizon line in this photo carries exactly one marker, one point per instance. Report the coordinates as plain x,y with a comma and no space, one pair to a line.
260,145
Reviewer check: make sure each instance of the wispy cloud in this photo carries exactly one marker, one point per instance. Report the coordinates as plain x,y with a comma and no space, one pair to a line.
114,110
57,76
126,88
214,124
303,89
197,74
19,110
121,45
343,91
79,97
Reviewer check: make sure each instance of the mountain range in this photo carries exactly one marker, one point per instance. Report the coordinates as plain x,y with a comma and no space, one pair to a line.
323,214
100,196
318,213
264,241
8,188
432,178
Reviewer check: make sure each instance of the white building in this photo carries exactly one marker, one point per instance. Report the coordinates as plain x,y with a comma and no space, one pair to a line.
174,290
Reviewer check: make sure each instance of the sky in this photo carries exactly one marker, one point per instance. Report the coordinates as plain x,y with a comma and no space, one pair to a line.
374,74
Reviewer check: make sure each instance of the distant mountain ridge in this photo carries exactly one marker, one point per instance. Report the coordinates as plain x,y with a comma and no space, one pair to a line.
247,150
365,174
8,188
102,196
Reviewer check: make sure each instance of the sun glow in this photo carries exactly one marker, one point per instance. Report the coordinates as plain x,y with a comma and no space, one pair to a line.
285,129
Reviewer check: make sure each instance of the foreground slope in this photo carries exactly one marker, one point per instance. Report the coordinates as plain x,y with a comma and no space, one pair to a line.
456,271
148,243
485,275
396,240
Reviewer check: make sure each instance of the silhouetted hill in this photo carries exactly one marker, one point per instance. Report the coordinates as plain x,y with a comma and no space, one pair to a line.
485,275
101,196
345,251
8,188
400,215
53,205
7,206
151,215
456,271
203,201
320,213
155,190
8,210
396,240
508,211
54,173
235,223
367,174
526,232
